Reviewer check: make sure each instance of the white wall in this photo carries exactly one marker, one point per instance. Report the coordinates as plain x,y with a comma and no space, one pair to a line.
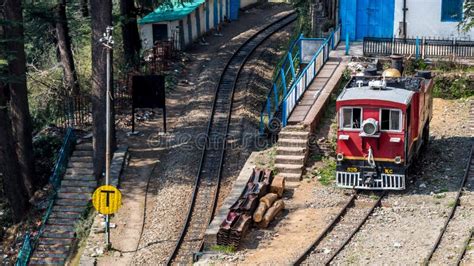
146,36
424,20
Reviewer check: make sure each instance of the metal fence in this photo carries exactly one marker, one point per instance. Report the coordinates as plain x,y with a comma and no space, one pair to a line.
418,47
281,100
29,241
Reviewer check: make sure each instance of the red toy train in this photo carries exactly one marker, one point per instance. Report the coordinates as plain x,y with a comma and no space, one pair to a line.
382,124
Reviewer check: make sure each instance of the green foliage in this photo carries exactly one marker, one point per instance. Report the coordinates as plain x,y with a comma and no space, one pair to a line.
327,173
223,249
453,86
45,149
468,18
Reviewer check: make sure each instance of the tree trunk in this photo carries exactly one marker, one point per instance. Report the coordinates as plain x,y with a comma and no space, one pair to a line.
20,113
13,185
101,17
85,8
130,35
65,51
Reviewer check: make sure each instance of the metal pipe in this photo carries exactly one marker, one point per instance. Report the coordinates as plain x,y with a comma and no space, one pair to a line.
405,9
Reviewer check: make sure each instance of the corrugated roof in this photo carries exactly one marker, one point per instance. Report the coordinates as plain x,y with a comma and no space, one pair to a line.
170,13
389,94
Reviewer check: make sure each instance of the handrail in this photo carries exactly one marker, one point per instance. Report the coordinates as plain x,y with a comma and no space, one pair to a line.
283,106
29,243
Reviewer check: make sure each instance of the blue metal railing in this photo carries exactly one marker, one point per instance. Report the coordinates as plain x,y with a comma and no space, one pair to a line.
281,100
30,241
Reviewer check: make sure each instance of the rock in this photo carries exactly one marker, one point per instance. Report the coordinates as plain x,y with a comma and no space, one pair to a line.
397,245
326,251
422,185
117,254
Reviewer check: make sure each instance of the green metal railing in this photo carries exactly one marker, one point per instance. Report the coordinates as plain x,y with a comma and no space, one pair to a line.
30,241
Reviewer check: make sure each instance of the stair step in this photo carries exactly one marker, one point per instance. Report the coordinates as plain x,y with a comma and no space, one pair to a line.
61,221
289,159
69,227
293,143
87,165
291,150
51,233
47,254
84,147
71,189
81,159
55,241
47,261
290,178
80,171
77,183
74,195
294,134
297,127
79,177
55,248
79,209
71,202
81,153
289,168
65,215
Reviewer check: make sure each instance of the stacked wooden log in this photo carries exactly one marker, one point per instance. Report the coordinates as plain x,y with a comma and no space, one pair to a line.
260,202
270,204
239,218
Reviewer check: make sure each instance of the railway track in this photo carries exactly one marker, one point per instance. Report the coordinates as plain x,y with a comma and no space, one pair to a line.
340,231
449,249
207,182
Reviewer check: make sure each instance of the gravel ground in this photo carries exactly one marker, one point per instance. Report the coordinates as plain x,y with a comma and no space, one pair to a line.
404,230
341,231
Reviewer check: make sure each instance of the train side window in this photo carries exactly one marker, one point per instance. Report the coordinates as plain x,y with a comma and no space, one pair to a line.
390,119
351,118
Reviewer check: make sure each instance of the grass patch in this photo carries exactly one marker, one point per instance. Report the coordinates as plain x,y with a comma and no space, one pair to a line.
452,203
327,173
373,197
84,225
223,249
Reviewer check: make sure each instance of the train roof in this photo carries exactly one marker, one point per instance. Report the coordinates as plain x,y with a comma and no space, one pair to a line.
390,94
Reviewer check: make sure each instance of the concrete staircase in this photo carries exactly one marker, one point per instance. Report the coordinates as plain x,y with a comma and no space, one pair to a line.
76,189
292,151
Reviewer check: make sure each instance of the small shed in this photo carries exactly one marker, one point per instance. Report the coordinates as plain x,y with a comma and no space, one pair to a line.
182,23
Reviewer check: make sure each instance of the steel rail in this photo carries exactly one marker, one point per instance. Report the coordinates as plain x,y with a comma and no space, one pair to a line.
333,224
453,209
285,21
465,247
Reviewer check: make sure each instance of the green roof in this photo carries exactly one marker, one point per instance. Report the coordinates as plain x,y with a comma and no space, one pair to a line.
176,11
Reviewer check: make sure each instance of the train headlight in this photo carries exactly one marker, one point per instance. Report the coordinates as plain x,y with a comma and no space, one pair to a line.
370,126
340,157
398,160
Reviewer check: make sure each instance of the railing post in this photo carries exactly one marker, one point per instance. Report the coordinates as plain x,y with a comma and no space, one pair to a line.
283,80
292,67
268,107
417,48
283,114
275,93
347,43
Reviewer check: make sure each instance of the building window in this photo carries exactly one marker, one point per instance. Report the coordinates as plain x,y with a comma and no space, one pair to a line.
351,118
390,119
451,10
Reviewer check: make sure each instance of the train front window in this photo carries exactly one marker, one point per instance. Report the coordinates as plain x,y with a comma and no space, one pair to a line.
351,118
390,119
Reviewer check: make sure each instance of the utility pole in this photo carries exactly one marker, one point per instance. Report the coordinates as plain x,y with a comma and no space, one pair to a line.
108,43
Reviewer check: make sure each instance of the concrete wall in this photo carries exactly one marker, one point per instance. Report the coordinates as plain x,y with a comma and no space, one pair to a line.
146,33
424,20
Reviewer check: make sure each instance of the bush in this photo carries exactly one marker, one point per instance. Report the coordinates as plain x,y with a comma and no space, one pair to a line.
45,149
453,86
